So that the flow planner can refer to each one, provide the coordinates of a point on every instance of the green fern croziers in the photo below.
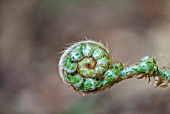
(87, 67)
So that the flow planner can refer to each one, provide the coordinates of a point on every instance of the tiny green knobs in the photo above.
(86, 66)
(83, 66)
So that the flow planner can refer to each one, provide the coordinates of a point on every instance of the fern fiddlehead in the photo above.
(87, 67)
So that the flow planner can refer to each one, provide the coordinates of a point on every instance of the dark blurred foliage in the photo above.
(34, 32)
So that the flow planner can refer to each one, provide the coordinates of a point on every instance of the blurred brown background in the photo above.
(34, 32)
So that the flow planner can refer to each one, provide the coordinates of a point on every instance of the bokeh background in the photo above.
(34, 32)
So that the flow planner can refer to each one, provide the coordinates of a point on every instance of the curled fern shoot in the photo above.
(87, 67)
